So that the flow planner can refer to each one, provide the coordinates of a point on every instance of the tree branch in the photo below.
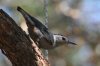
(17, 46)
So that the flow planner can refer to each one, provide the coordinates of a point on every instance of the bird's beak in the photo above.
(69, 42)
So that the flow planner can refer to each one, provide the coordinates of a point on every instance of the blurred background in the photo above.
(79, 20)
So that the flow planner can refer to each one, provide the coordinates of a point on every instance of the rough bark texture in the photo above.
(17, 46)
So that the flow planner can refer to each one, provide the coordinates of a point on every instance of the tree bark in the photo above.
(17, 46)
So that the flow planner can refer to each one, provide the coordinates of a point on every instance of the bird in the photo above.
(41, 35)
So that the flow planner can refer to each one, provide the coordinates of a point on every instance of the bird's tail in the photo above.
(26, 16)
(31, 21)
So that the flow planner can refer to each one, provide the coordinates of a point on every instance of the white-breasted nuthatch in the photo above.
(41, 35)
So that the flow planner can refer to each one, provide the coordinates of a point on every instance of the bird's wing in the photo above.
(48, 35)
(32, 21)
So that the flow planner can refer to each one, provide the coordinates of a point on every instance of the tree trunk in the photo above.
(17, 46)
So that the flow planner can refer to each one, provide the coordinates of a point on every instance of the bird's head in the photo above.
(62, 39)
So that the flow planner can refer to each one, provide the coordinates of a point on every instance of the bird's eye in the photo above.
(63, 38)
